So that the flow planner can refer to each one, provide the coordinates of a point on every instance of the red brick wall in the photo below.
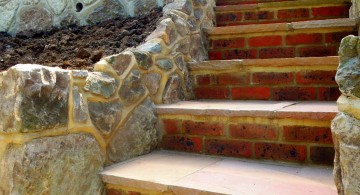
(238, 2)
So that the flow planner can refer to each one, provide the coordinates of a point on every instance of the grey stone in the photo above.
(108, 10)
(152, 82)
(183, 45)
(79, 106)
(143, 59)
(198, 13)
(192, 23)
(8, 9)
(57, 6)
(173, 90)
(132, 89)
(180, 22)
(105, 115)
(346, 136)
(348, 75)
(197, 48)
(200, 2)
(34, 19)
(138, 136)
(179, 61)
(142, 7)
(165, 64)
(33, 98)
(81, 74)
(164, 30)
(53, 165)
(184, 6)
(120, 62)
(101, 84)
(151, 46)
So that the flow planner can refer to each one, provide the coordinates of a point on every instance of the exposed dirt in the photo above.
(76, 47)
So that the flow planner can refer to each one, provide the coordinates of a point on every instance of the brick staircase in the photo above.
(267, 95)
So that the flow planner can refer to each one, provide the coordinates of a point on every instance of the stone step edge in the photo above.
(276, 27)
(300, 110)
(219, 65)
(278, 5)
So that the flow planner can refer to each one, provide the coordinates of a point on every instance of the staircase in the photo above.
(265, 98)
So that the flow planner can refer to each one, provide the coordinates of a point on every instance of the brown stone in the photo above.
(108, 10)
(35, 19)
(152, 82)
(105, 115)
(165, 30)
(173, 90)
(120, 62)
(184, 6)
(132, 89)
(102, 84)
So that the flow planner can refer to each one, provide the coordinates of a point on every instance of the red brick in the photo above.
(303, 39)
(133, 193)
(259, 15)
(253, 131)
(171, 126)
(215, 55)
(187, 144)
(254, 93)
(228, 17)
(336, 37)
(316, 77)
(265, 41)
(272, 78)
(293, 13)
(202, 128)
(307, 134)
(115, 192)
(322, 155)
(317, 51)
(280, 152)
(293, 93)
(211, 92)
(287, 52)
(240, 54)
(233, 78)
(228, 148)
(228, 43)
(335, 11)
(329, 93)
(203, 79)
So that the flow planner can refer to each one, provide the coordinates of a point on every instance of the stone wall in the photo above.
(346, 125)
(20, 16)
(60, 127)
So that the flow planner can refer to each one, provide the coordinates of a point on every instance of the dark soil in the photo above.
(76, 47)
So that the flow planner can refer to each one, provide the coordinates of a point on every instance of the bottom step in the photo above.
(165, 172)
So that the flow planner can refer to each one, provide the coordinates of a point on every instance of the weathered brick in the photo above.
(293, 13)
(240, 54)
(215, 55)
(228, 43)
(203, 128)
(280, 152)
(259, 15)
(288, 52)
(228, 148)
(228, 17)
(114, 192)
(334, 11)
(252, 93)
(329, 93)
(303, 38)
(265, 41)
(316, 77)
(272, 78)
(322, 155)
(293, 93)
(187, 144)
(203, 79)
(211, 92)
(171, 126)
(317, 51)
(307, 134)
(253, 131)
(233, 78)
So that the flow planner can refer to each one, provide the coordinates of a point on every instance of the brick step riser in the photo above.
(272, 141)
(297, 85)
(232, 18)
(239, 2)
(277, 45)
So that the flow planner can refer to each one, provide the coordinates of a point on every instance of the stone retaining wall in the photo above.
(60, 127)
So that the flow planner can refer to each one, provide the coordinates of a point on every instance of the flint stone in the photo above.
(200, 2)
(132, 88)
(53, 165)
(108, 10)
(192, 23)
(198, 13)
(173, 90)
(346, 135)
(80, 108)
(100, 84)
(35, 19)
(120, 62)
(143, 59)
(165, 30)
(179, 61)
(164, 64)
(138, 136)
(33, 98)
(183, 45)
(197, 48)
(184, 6)
(105, 115)
(152, 82)
(180, 22)
(151, 46)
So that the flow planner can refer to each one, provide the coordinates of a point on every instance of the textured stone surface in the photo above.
(165, 64)
(7, 9)
(173, 90)
(346, 136)
(180, 23)
(79, 106)
(141, 6)
(152, 46)
(120, 62)
(57, 6)
(138, 136)
(33, 98)
(100, 84)
(152, 82)
(109, 9)
(164, 30)
(105, 115)
(35, 19)
(179, 61)
(180, 5)
(132, 89)
(143, 59)
(197, 49)
(52, 165)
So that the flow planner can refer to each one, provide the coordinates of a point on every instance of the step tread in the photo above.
(258, 28)
(184, 173)
(253, 108)
(219, 65)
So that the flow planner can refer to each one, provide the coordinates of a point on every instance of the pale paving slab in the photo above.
(198, 174)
